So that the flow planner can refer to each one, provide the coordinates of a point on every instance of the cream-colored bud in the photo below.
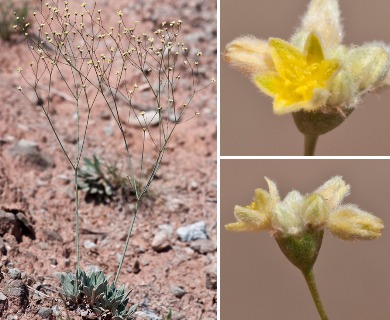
(314, 211)
(323, 18)
(342, 90)
(351, 223)
(249, 55)
(367, 65)
(286, 218)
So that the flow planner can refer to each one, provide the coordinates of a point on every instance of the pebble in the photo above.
(108, 130)
(204, 246)
(161, 241)
(51, 235)
(29, 150)
(8, 223)
(45, 313)
(211, 278)
(3, 249)
(147, 314)
(192, 232)
(88, 244)
(15, 273)
(177, 291)
(17, 289)
(3, 297)
(174, 205)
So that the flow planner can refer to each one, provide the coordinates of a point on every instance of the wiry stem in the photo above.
(311, 283)
(126, 244)
(310, 144)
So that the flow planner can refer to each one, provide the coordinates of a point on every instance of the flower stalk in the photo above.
(310, 144)
(311, 283)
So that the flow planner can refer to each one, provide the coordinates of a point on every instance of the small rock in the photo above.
(147, 314)
(204, 246)
(6, 139)
(192, 232)
(17, 291)
(3, 249)
(51, 235)
(211, 278)
(88, 244)
(12, 317)
(108, 130)
(161, 241)
(167, 228)
(45, 313)
(177, 291)
(136, 267)
(194, 185)
(105, 115)
(29, 151)
(3, 297)
(8, 223)
(56, 311)
(14, 273)
(53, 261)
(43, 245)
(174, 205)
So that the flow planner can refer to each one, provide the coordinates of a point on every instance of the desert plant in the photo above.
(104, 180)
(93, 290)
(11, 14)
(112, 62)
(94, 180)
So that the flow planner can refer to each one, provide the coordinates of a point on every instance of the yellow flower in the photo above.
(313, 71)
(297, 215)
(300, 79)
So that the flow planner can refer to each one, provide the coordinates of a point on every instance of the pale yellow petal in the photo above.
(351, 223)
(249, 55)
(334, 191)
(254, 218)
(273, 190)
(262, 200)
(239, 227)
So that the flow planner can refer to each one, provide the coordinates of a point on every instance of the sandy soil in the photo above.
(37, 194)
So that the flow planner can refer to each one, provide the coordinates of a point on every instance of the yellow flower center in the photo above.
(297, 74)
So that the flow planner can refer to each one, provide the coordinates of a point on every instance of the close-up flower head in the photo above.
(313, 75)
(298, 221)
(297, 214)
(313, 70)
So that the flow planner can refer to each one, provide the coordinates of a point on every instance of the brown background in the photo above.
(258, 282)
(248, 125)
